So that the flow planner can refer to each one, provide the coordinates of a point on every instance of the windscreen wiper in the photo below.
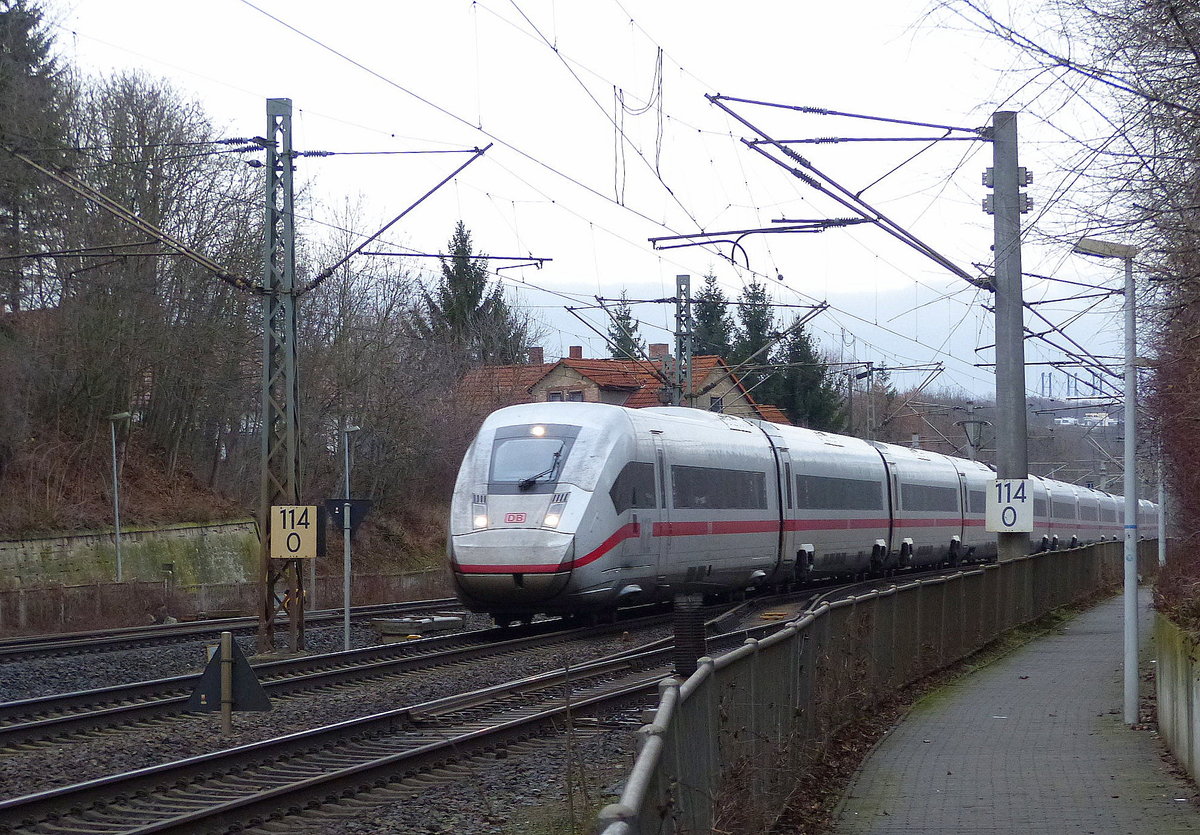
(526, 483)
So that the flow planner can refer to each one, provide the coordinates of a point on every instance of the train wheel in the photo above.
(804, 568)
(505, 619)
(878, 562)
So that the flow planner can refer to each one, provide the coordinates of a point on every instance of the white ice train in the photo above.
(579, 508)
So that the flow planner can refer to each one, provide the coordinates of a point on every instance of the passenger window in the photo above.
(634, 487)
(1063, 510)
(819, 492)
(929, 497)
(977, 501)
(711, 487)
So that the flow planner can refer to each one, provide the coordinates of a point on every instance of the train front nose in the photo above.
(511, 568)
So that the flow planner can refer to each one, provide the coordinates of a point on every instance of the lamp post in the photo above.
(1105, 249)
(346, 538)
(112, 431)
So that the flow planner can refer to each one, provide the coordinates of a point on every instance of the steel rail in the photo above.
(309, 782)
(50, 717)
(73, 643)
(158, 799)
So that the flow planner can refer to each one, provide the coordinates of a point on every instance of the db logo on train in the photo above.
(514, 518)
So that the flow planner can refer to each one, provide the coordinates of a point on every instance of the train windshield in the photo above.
(530, 459)
(527, 460)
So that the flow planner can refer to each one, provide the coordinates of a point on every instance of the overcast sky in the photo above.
(545, 81)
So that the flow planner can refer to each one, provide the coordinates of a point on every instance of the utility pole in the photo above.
(872, 417)
(850, 403)
(280, 407)
(1006, 204)
(683, 341)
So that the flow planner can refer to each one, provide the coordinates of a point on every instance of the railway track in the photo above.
(37, 721)
(391, 754)
(252, 784)
(131, 637)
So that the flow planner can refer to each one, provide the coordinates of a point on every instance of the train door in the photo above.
(786, 547)
(891, 557)
(656, 535)
(957, 549)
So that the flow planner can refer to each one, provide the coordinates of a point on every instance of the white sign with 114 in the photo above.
(1009, 506)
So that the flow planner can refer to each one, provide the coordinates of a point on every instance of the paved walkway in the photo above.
(1033, 743)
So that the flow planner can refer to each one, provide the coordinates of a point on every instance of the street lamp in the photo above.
(346, 537)
(112, 428)
(1105, 249)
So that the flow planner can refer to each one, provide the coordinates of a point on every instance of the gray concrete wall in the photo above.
(1177, 679)
(219, 552)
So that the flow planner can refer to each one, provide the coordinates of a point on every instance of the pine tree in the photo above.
(31, 119)
(714, 328)
(623, 332)
(468, 314)
(756, 325)
(807, 392)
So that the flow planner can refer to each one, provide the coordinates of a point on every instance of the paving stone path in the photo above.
(1033, 743)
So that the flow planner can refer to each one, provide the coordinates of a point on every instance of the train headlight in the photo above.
(480, 520)
(479, 514)
(554, 512)
(537, 431)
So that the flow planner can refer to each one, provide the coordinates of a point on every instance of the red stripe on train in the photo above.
(631, 530)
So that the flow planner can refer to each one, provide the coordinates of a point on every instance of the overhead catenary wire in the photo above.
(495, 137)
(869, 323)
(70, 181)
(330, 270)
(815, 178)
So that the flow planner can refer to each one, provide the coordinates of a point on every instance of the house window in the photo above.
(554, 396)
(575, 396)
(716, 404)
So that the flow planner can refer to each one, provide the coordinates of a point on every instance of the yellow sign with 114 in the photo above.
(293, 532)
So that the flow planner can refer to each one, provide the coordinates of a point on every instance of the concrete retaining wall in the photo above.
(185, 554)
(101, 605)
(1178, 683)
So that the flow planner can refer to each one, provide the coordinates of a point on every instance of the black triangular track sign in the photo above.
(248, 694)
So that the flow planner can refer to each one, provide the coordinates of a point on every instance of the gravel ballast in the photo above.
(128, 748)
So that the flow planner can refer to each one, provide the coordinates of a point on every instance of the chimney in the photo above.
(659, 350)
(575, 352)
(535, 356)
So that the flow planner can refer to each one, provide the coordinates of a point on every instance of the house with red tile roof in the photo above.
(634, 384)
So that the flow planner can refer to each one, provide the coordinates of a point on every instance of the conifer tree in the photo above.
(756, 325)
(623, 332)
(806, 391)
(469, 314)
(32, 120)
(714, 327)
